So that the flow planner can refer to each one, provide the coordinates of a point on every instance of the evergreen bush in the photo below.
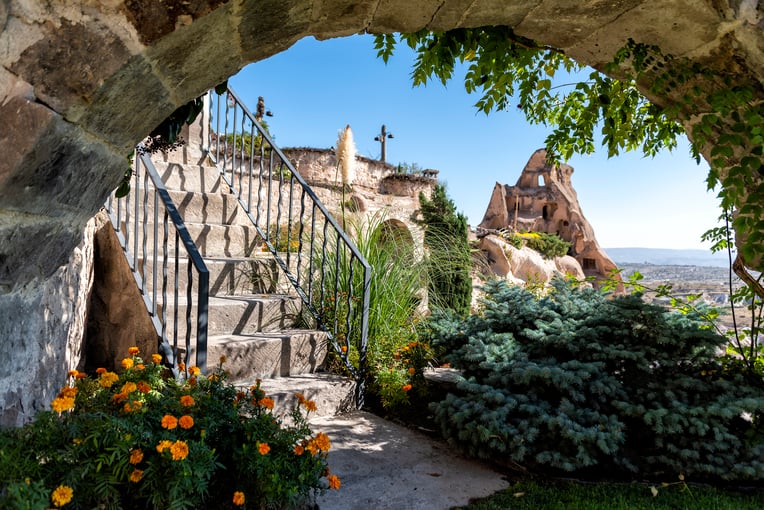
(578, 379)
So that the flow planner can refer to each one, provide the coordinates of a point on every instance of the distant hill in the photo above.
(666, 257)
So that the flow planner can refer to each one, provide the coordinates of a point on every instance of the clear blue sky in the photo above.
(316, 88)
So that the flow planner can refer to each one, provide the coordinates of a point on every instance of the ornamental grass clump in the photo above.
(580, 380)
(139, 440)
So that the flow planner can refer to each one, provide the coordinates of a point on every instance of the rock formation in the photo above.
(543, 200)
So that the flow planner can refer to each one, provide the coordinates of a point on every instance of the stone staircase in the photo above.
(255, 319)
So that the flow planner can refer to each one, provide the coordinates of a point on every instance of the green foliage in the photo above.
(285, 238)
(579, 379)
(138, 440)
(446, 237)
(549, 245)
(397, 280)
(408, 168)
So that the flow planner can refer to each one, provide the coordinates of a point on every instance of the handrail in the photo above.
(132, 227)
(319, 259)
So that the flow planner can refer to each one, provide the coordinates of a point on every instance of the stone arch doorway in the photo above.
(394, 234)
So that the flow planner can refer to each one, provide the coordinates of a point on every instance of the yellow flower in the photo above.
(108, 379)
(127, 363)
(132, 351)
(186, 422)
(129, 387)
(61, 404)
(136, 475)
(263, 448)
(164, 445)
(136, 456)
(334, 482)
(322, 441)
(238, 498)
(195, 371)
(62, 495)
(67, 392)
(312, 447)
(179, 450)
(187, 400)
(169, 422)
(156, 358)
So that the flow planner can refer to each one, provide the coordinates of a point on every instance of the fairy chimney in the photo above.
(543, 200)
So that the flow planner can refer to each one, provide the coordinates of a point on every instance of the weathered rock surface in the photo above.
(82, 82)
(543, 200)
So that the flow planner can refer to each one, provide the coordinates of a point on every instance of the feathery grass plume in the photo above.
(346, 155)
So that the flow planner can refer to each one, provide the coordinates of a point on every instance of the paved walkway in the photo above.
(384, 466)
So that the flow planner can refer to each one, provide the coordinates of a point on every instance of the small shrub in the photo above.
(549, 245)
(137, 440)
(576, 379)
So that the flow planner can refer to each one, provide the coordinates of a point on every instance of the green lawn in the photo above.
(535, 495)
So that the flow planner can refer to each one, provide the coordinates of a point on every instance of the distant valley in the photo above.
(667, 257)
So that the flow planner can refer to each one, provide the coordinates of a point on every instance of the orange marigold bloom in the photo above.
(68, 392)
(61, 495)
(129, 387)
(299, 450)
(406, 387)
(132, 351)
(164, 445)
(100, 370)
(263, 448)
(132, 406)
(186, 422)
(119, 398)
(72, 373)
(179, 450)
(334, 482)
(136, 475)
(312, 447)
(344, 349)
(238, 498)
(61, 404)
(144, 387)
(140, 366)
(266, 402)
(169, 422)
(412, 370)
(108, 379)
(195, 370)
(81, 375)
(136, 456)
(127, 363)
(322, 441)
(182, 366)
(310, 405)
(187, 400)
(156, 358)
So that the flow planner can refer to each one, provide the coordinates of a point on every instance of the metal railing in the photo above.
(156, 243)
(319, 259)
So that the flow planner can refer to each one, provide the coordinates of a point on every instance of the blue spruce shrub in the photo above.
(578, 379)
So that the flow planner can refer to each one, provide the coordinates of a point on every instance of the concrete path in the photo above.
(384, 466)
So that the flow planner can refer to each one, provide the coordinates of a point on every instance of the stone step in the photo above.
(333, 394)
(228, 276)
(189, 177)
(240, 315)
(285, 353)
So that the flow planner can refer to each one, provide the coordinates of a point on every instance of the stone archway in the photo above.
(81, 83)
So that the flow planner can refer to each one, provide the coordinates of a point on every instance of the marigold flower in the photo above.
(334, 482)
(182, 366)
(68, 392)
(312, 447)
(108, 379)
(61, 404)
(140, 366)
(119, 398)
(186, 422)
(192, 381)
(129, 387)
(263, 448)
(406, 388)
(412, 370)
(300, 397)
(81, 375)
(169, 422)
(136, 475)
(132, 351)
(238, 498)
(310, 405)
(127, 363)
(136, 456)
(195, 371)
(187, 400)
(266, 402)
(132, 406)
(156, 358)
(61, 495)
(322, 441)
(344, 349)
(179, 450)
(72, 373)
(100, 370)
(223, 359)
(164, 445)
(144, 387)
(299, 450)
